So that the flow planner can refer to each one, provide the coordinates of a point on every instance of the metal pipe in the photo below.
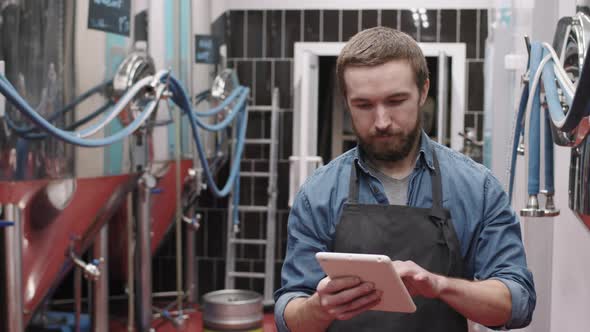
(13, 273)
(189, 259)
(144, 257)
(130, 265)
(77, 297)
(100, 305)
(190, 289)
(112, 298)
(177, 155)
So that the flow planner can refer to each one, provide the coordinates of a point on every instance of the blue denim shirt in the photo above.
(487, 228)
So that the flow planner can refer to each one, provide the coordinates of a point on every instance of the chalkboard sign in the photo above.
(110, 16)
(206, 49)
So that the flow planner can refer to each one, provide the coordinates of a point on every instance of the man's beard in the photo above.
(396, 147)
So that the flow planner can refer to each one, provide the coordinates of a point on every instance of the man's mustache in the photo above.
(388, 134)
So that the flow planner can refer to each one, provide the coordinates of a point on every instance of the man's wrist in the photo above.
(442, 285)
(312, 308)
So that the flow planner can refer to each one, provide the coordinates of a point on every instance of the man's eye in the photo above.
(396, 101)
(363, 106)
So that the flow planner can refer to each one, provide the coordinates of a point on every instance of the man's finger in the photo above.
(347, 295)
(356, 303)
(350, 314)
(337, 285)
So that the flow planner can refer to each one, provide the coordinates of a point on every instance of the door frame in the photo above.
(305, 94)
(309, 110)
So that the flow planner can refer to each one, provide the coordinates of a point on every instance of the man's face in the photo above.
(384, 104)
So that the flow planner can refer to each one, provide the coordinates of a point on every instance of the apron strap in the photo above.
(353, 187)
(437, 210)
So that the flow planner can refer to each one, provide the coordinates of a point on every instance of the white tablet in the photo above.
(377, 269)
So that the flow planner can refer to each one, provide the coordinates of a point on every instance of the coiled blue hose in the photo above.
(73, 126)
(22, 131)
(539, 56)
(73, 138)
(180, 98)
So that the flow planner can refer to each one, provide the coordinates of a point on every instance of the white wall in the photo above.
(570, 306)
(558, 249)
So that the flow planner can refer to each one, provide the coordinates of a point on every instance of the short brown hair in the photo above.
(376, 46)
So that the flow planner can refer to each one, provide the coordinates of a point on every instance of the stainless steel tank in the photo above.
(58, 204)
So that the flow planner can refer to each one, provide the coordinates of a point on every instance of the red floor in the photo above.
(193, 324)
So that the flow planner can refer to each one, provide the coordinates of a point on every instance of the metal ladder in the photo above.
(270, 209)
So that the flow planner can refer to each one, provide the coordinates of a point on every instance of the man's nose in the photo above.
(382, 118)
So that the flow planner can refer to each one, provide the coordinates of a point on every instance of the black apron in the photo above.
(425, 236)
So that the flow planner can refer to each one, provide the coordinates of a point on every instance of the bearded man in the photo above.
(443, 219)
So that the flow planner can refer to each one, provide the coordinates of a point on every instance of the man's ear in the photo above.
(424, 92)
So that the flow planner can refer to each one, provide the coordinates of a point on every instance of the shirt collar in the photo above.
(424, 155)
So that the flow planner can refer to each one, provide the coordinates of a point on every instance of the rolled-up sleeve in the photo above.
(281, 304)
(500, 253)
(300, 274)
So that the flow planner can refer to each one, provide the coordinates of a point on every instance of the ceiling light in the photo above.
(415, 16)
(425, 24)
(424, 17)
(422, 10)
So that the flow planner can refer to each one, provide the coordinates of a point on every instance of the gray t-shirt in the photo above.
(396, 190)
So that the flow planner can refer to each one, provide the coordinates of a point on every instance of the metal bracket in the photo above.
(91, 270)
(550, 209)
(532, 208)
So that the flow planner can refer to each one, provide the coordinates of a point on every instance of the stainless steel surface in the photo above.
(136, 66)
(143, 254)
(232, 309)
(223, 84)
(38, 58)
(100, 299)
(12, 253)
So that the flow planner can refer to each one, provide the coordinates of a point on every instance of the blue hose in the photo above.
(73, 126)
(517, 134)
(180, 97)
(181, 100)
(534, 126)
(54, 116)
(67, 136)
(549, 173)
(4, 223)
(553, 102)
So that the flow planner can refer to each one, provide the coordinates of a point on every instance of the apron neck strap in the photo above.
(353, 187)
(437, 209)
